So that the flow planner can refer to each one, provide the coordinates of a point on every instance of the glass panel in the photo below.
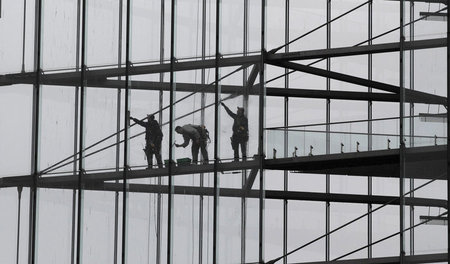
(55, 225)
(102, 32)
(59, 38)
(99, 218)
(8, 224)
(57, 132)
(351, 237)
(17, 49)
(15, 146)
(306, 222)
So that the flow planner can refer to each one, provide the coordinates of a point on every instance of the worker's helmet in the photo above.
(151, 117)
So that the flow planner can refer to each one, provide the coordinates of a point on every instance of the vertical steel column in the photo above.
(327, 128)
(369, 129)
(216, 136)
(161, 94)
(261, 152)
(19, 200)
(75, 137)
(35, 135)
(411, 124)
(119, 102)
(202, 117)
(245, 104)
(23, 32)
(448, 127)
(81, 141)
(171, 123)
(286, 139)
(402, 141)
(126, 132)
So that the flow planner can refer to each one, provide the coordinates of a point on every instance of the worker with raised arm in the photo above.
(199, 136)
(240, 132)
(153, 139)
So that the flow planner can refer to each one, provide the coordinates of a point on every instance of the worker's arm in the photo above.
(233, 115)
(139, 122)
(185, 143)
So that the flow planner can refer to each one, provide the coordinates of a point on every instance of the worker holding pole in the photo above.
(240, 132)
(153, 139)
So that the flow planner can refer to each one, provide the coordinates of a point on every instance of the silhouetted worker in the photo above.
(240, 132)
(199, 136)
(153, 138)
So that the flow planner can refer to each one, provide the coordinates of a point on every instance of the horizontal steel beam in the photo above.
(421, 163)
(248, 193)
(96, 74)
(131, 174)
(358, 50)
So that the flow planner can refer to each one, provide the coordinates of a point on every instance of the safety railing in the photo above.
(348, 137)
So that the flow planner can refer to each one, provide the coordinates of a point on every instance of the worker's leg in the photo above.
(204, 152)
(158, 156)
(235, 147)
(195, 148)
(149, 156)
(244, 150)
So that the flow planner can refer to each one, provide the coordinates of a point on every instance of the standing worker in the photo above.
(153, 138)
(199, 136)
(240, 132)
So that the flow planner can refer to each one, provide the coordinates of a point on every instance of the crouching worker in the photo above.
(153, 138)
(199, 136)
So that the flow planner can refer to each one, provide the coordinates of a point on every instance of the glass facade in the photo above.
(209, 131)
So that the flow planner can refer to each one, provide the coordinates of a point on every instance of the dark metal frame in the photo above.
(394, 161)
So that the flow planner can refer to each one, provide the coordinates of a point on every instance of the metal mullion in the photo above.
(19, 200)
(81, 132)
(119, 96)
(448, 127)
(23, 32)
(327, 128)
(402, 143)
(161, 94)
(369, 129)
(286, 138)
(35, 135)
(411, 122)
(75, 136)
(216, 190)
(202, 121)
(126, 132)
(245, 105)
(171, 120)
(261, 153)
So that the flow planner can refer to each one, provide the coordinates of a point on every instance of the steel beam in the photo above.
(253, 90)
(269, 194)
(98, 74)
(412, 95)
(357, 50)
(423, 163)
